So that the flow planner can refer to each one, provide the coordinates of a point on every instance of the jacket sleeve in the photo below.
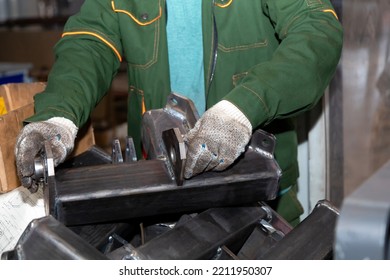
(87, 58)
(294, 79)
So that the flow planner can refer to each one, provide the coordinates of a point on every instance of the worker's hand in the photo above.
(217, 139)
(60, 132)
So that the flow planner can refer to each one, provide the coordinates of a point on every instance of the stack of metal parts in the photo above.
(117, 207)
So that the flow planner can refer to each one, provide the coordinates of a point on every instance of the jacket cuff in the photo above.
(232, 111)
(66, 124)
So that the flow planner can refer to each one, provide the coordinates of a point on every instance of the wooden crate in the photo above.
(19, 105)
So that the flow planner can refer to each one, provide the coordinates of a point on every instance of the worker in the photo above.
(247, 64)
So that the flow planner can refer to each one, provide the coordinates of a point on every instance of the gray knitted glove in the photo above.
(217, 140)
(60, 132)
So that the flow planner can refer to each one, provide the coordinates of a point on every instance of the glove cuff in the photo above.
(66, 124)
(231, 110)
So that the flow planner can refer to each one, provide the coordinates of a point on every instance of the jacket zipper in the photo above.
(214, 50)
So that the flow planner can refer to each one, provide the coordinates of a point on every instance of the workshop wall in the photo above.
(30, 46)
(365, 89)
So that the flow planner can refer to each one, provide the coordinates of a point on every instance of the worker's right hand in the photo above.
(60, 132)
(218, 138)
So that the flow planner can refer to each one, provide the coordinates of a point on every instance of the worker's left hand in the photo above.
(217, 140)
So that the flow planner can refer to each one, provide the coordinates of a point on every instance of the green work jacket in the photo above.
(273, 59)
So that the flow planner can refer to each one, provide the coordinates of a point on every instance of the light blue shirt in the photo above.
(185, 50)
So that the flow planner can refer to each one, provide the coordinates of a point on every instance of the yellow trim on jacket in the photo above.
(97, 36)
(331, 11)
(224, 5)
(135, 18)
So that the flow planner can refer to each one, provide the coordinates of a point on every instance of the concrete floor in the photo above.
(365, 89)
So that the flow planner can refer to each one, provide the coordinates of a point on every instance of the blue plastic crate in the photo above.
(14, 73)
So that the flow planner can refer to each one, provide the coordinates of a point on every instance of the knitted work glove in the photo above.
(60, 132)
(217, 140)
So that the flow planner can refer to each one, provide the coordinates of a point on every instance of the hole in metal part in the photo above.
(172, 155)
(265, 143)
(174, 101)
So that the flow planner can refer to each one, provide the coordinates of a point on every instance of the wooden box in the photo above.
(17, 104)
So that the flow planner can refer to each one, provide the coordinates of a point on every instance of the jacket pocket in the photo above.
(142, 12)
(241, 26)
(140, 29)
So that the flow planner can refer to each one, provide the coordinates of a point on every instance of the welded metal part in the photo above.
(275, 220)
(271, 230)
(98, 193)
(130, 153)
(43, 167)
(145, 188)
(116, 154)
(179, 112)
(176, 153)
(312, 239)
(262, 143)
(363, 228)
(183, 108)
(266, 234)
(200, 237)
(267, 226)
(48, 239)
(94, 194)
